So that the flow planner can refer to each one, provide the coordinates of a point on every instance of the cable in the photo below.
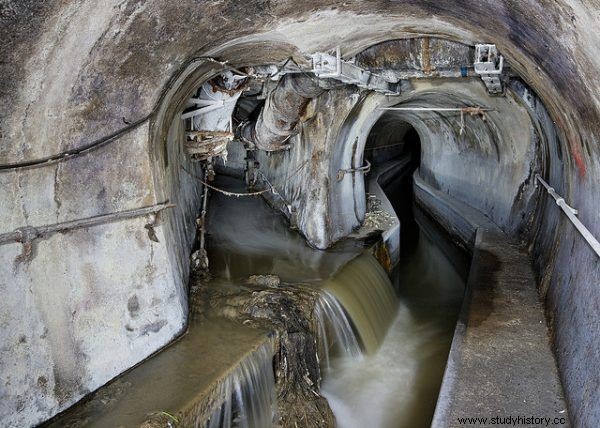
(223, 191)
(68, 154)
(257, 193)
(50, 160)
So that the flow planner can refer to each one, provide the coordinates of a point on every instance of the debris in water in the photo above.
(271, 281)
(376, 218)
(288, 310)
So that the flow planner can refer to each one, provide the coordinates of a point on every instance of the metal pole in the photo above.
(36, 232)
(572, 215)
(203, 214)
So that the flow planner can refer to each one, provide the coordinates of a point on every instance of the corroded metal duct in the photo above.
(281, 112)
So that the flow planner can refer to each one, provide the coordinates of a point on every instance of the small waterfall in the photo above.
(364, 290)
(335, 335)
(248, 393)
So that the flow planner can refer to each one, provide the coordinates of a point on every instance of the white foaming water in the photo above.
(397, 386)
(372, 391)
(248, 393)
(335, 335)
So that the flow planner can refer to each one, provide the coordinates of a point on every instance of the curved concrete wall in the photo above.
(77, 72)
(498, 153)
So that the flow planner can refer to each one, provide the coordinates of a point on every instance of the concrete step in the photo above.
(175, 387)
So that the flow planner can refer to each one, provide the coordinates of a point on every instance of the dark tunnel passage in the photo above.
(395, 144)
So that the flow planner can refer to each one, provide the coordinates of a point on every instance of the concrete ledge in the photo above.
(376, 182)
(181, 382)
(460, 220)
(501, 363)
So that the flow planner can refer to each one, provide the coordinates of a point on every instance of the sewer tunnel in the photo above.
(372, 128)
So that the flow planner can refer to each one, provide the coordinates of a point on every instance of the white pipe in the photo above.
(571, 214)
(200, 102)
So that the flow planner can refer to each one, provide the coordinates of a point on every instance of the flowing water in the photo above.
(365, 292)
(397, 386)
(406, 338)
(246, 237)
(334, 332)
(248, 393)
(394, 383)
(217, 361)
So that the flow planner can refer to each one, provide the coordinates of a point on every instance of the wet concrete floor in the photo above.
(172, 382)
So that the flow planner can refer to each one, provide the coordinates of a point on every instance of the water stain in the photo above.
(483, 277)
(154, 327)
(133, 306)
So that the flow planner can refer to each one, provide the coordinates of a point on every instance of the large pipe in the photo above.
(282, 110)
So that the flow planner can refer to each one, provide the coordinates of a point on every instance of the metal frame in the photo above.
(326, 66)
(489, 71)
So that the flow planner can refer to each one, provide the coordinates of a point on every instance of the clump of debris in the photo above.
(288, 310)
(377, 218)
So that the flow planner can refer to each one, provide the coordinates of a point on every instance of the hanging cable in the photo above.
(257, 193)
(223, 191)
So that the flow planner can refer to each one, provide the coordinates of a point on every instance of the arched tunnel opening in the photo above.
(282, 225)
(395, 142)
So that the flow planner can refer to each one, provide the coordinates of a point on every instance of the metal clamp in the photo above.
(365, 169)
(326, 66)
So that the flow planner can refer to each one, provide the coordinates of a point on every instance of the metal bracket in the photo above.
(365, 169)
(489, 64)
(326, 66)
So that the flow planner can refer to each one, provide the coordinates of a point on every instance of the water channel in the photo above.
(382, 345)
(395, 381)
(398, 385)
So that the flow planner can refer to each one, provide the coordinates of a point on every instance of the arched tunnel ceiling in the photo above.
(98, 94)
(500, 142)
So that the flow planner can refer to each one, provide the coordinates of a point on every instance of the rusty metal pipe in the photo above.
(282, 110)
